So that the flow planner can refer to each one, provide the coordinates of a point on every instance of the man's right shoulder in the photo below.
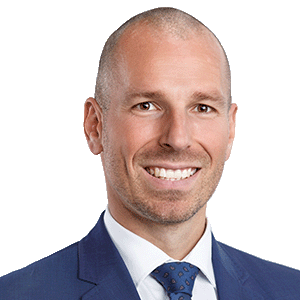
(44, 278)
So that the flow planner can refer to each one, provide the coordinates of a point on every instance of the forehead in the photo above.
(149, 59)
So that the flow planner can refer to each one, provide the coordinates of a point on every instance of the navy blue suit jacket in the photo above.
(93, 269)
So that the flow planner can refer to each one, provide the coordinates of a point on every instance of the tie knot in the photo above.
(177, 278)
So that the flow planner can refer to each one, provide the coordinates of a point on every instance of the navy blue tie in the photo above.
(177, 278)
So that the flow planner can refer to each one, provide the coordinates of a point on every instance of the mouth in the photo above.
(171, 174)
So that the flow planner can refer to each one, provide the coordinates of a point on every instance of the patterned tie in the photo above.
(177, 278)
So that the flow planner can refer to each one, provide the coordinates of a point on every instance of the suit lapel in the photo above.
(101, 264)
(233, 281)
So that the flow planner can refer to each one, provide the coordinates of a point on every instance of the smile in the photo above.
(169, 174)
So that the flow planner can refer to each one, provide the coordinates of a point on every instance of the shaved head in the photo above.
(159, 21)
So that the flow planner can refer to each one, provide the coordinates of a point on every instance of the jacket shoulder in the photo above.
(278, 281)
(49, 278)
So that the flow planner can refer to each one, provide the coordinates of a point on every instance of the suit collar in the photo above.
(233, 280)
(100, 263)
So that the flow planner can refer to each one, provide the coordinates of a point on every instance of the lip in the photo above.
(163, 184)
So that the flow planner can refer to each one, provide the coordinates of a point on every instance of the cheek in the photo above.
(137, 135)
(212, 135)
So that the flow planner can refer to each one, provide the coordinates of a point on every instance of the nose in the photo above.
(176, 131)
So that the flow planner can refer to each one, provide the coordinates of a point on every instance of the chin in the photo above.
(168, 212)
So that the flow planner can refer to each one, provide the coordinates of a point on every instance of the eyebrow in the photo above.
(148, 95)
(212, 96)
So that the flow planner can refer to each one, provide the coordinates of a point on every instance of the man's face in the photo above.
(169, 128)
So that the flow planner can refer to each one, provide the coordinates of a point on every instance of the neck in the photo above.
(176, 240)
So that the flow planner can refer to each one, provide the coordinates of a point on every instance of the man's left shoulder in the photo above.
(269, 274)
(257, 264)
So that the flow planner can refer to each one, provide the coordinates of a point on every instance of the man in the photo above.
(163, 122)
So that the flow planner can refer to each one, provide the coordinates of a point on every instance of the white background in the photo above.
(52, 188)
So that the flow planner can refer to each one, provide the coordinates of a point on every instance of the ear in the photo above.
(93, 125)
(232, 120)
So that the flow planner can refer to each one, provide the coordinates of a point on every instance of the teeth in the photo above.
(178, 174)
(156, 172)
(162, 173)
(171, 174)
(189, 172)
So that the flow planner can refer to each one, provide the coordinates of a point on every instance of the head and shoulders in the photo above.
(163, 124)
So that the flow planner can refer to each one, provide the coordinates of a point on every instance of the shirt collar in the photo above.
(141, 257)
(201, 255)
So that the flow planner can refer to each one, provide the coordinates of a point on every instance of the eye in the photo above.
(145, 106)
(202, 108)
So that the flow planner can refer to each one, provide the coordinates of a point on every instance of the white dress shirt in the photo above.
(141, 258)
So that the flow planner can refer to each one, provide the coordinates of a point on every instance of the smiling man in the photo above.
(166, 132)
(163, 122)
